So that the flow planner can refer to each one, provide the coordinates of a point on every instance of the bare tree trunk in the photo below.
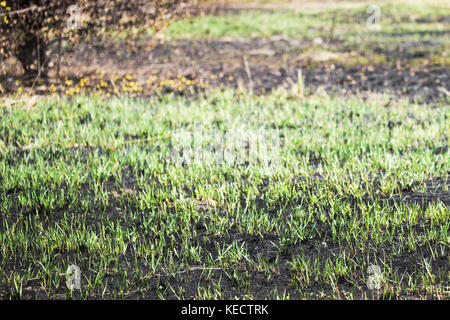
(32, 51)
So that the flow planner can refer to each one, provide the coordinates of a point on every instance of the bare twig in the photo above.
(443, 90)
(21, 11)
(58, 64)
(333, 25)
(114, 85)
(249, 74)
(39, 67)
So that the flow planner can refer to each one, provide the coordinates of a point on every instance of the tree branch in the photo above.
(10, 13)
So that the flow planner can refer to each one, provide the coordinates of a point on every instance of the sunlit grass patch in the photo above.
(248, 24)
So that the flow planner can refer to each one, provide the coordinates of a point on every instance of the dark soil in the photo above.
(260, 65)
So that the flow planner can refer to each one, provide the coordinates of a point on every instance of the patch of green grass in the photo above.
(246, 24)
(307, 24)
(96, 183)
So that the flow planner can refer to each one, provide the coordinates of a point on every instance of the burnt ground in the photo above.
(264, 65)
(260, 65)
